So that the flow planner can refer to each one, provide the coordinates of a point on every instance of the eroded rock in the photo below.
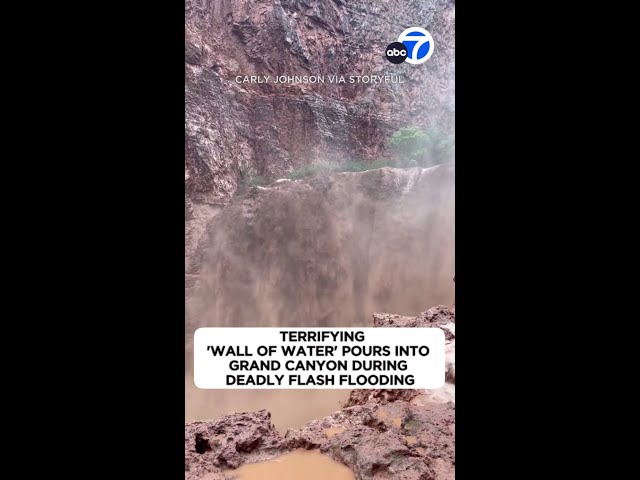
(378, 434)
(212, 446)
(440, 316)
(398, 440)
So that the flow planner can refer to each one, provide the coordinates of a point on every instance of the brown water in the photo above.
(289, 408)
(298, 465)
(384, 415)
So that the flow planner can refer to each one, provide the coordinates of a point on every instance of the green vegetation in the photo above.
(360, 166)
(409, 143)
(415, 146)
(304, 171)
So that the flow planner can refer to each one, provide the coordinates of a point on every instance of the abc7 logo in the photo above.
(415, 46)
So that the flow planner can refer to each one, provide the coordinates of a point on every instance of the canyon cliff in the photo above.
(235, 131)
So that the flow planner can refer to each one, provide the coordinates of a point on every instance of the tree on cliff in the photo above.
(416, 147)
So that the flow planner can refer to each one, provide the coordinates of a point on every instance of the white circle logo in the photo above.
(419, 45)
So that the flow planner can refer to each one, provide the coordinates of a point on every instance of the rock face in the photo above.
(320, 252)
(385, 434)
(399, 440)
(442, 317)
(235, 130)
(212, 446)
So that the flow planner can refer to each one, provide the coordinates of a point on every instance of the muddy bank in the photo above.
(207, 404)
(407, 440)
(394, 434)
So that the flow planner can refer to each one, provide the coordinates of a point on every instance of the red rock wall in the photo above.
(269, 129)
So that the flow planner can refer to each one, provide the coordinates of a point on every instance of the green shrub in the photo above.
(304, 171)
(410, 143)
(361, 166)
(414, 146)
(441, 146)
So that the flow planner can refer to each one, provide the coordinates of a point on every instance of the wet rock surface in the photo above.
(378, 434)
(440, 316)
(228, 442)
(397, 440)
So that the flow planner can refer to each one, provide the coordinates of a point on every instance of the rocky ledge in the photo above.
(391, 434)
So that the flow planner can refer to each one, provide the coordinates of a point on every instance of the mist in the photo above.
(329, 251)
